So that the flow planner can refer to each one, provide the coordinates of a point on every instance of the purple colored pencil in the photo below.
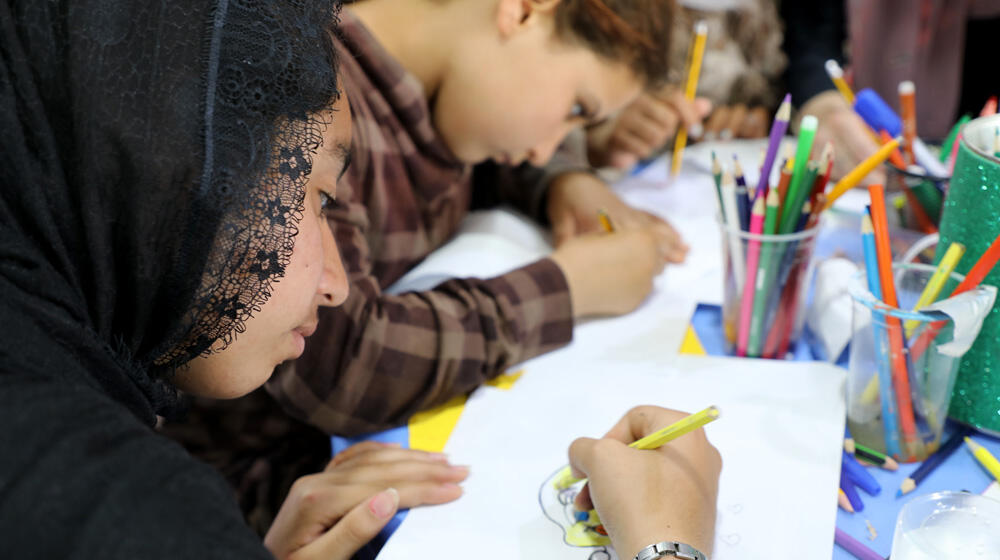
(854, 546)
(778, 130)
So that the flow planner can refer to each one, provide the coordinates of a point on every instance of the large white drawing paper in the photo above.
(780, 435)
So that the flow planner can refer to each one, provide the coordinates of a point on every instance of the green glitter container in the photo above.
(971, 216)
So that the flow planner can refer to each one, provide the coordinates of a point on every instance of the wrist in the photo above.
(669, 549)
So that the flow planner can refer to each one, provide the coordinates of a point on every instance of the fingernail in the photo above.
(383, 505)
(696, 131)
(443, 457)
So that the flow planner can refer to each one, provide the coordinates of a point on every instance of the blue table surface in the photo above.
(960, 472)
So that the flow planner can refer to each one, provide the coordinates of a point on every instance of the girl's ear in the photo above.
(513, 15)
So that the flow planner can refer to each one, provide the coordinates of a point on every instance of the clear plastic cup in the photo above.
(948, 525)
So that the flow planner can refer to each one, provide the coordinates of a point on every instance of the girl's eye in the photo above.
(327, 202)
(578, 111)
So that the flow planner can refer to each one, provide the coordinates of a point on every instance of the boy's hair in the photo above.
(636, 32)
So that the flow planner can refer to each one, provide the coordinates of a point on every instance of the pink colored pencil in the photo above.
(753, 256)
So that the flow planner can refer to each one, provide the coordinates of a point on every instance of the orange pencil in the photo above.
(900, 375)
(895, 157)
(783, 180)
(990, 108)
(908, 108)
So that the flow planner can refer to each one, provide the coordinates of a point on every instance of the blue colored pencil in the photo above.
(890, 419)
(851, 492)
(859, 475)
(933, 461)
(778, 130)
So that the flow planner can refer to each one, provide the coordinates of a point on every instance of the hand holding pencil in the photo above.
(648, 496)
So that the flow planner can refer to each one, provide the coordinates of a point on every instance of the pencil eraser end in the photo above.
(809, 122)
(906, 87)
(833, 69)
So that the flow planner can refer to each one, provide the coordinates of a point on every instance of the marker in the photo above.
(565, 479)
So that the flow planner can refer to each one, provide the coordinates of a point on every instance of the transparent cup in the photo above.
(765, 320)
(920, 198)
(903, 365)
(948, 525)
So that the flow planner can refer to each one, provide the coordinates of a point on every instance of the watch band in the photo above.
(669, 548)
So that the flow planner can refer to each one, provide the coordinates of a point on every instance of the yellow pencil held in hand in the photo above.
(606, 225)
(565, 479)
(694, 68)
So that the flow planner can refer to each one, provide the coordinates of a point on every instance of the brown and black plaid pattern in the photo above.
(378, 359)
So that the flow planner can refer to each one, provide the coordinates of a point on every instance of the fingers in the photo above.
(357, 449)
(563, 226)
(716, 122)
(690, 115)
(643, 420)
(755, 124)
(396, 472)
(383, 454)
(734, 121)
(355, 529)
(673, 249)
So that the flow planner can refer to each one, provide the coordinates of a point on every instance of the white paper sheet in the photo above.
(780, 436)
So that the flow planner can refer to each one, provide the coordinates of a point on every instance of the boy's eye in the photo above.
(578, 111)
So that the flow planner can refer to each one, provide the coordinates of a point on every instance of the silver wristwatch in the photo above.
(669, 548)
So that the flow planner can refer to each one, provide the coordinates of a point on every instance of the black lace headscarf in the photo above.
(152, 172)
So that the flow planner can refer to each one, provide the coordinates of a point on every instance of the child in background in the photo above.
(741, 79)
(499, 81)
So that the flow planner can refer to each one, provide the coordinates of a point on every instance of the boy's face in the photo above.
(512, 96)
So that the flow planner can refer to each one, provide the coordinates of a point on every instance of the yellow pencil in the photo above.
(858, 173)
(934, 286)
(836, 74)
(984, 457)
(602, 216)
(694, 68)
(565, 479)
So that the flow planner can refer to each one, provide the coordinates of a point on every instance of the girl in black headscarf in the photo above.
(163, 172)
(164, 168)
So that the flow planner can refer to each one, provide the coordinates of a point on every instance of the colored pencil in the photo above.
(859, 476)
(883, 377)
(784, 179)
(932, 462)
(900, 372)
(950, 139)
(850, 180)
(990, 108)
(855, 547)
(937, 281)
(908, 108)
(717, 180)
(874, 457)
(792, 205)
(764, 279)
(851, 492)
(778, 129)
(657, 439)
(606, 225)
(743, 203)
(694, 68)
(843, 502)
(736, 257)
(753, 257)
(973, 278)
(985, 458)
(836, 74)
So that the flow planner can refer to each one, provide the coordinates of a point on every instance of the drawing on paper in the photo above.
(580, 529)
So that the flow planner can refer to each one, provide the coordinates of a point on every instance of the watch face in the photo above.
(582, 530)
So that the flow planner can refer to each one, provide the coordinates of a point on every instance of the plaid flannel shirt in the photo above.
(378, 359)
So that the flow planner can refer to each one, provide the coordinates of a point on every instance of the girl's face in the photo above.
(314, 277)
(516, 91)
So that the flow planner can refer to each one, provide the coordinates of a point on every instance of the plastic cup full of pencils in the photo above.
(766, 284)
(903, 363)
(947, 525)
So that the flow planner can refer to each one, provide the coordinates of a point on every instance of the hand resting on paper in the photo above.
(645, 497)
(330, 515)
(574, 200)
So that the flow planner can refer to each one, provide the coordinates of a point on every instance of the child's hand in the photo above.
(648, 496)
(332, 514)
(574, 200)
(610, 274)
(644, 126)
(852, 140)
(737, 121)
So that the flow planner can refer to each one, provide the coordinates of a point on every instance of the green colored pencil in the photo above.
(945, 152)
(799, 189)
